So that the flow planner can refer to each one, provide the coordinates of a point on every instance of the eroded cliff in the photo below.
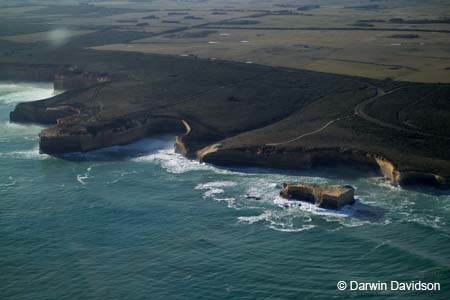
(236, 115)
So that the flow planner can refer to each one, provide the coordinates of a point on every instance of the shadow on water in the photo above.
(367, 212)
(121, 153)
(427, 189)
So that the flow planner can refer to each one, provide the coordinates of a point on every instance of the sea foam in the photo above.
(14, 93)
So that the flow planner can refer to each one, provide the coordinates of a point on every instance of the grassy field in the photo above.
(403, 40)
(361, 53)
(45, 35)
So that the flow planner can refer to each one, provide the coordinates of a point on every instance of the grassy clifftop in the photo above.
(242, 105)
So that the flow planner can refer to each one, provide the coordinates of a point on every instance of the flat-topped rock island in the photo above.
(325, 196)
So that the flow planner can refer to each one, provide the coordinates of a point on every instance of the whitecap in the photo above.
(265, 216)
(384, 183)
(172, 162)
(427, 221)
(231, 202)
(284, 220)
(214, 188)
(215, 184)
(299, 229)
(346, 211)
(27, 154)
(82, 177)
(212, 192)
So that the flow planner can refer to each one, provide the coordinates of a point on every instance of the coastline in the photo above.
(193, 139)
(305, 159)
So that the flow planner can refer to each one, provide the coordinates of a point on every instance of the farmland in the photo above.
(401, 40)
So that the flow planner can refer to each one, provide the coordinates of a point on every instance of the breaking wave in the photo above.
(172, 162)
(256, 195)
(33, 154)
(12, 93)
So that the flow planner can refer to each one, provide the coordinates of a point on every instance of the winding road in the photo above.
(309, 133)
(359, 111)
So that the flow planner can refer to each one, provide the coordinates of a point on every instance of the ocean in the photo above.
(142, 222)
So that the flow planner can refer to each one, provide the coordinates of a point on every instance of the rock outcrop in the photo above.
(24, 113)
(63, 77)
(325, 196)
(67, 137)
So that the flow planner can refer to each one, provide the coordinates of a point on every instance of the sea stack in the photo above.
(325, 196)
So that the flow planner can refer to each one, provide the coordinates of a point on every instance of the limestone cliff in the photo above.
(80, 138)
(233, 115)
(24, 113)
(302, 158)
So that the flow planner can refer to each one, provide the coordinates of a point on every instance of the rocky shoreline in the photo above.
(314, 158)
(75, 130)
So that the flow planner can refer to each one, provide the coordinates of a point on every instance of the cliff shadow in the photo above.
(367, 212)
(426, 189)
(143, 147)
(328, 172)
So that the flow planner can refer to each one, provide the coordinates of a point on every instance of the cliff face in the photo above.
(291, 119)
(196, 137)
(25, 113)
(65, 138)
(63, 78)
(319, 157)
(399, 177)
(270, 156)
(50, 111)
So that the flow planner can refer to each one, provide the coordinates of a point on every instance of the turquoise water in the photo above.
(141, 222)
